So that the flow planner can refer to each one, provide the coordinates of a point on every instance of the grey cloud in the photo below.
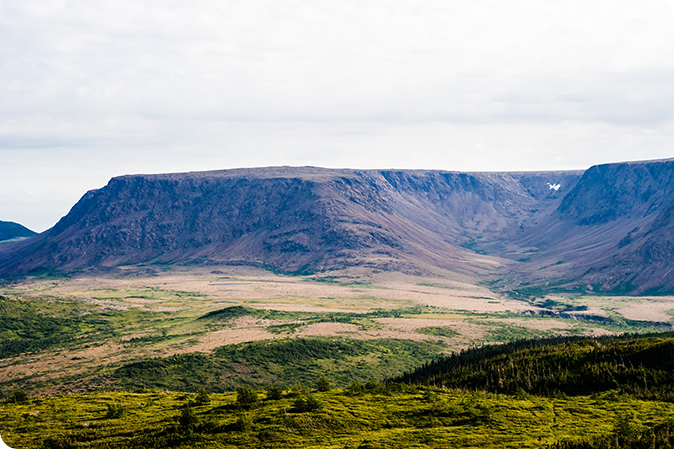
(451, 84)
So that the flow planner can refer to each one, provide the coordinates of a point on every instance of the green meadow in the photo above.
(100, 366)
(360, 416)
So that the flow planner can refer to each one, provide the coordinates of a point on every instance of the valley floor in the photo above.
(72, 334)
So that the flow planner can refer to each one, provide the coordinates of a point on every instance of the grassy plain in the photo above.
(74, 334)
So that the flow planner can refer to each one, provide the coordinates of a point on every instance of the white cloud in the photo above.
(108, 86)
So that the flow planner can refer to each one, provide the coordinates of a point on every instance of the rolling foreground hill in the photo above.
(608, 228)
(558, 393)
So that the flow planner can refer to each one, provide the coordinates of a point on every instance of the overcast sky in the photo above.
(94, 89)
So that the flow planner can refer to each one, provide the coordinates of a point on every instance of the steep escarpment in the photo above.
(612, 232)
(609, 228)
(611, 192)
(292, 219)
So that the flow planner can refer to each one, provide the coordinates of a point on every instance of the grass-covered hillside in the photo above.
(639, 365)
(283, 361)
(556, 393)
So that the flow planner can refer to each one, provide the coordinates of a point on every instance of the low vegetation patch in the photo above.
(284, 361)
(29, 326)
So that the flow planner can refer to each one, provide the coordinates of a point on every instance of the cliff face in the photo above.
(633, 204)
(609, 227)
(612, 192)
(292, 219)
(612, 232)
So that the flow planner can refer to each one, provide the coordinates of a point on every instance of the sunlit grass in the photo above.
(422, 418)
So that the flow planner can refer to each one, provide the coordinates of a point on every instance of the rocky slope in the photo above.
(292, 219)
(612, 232)
(609, 228)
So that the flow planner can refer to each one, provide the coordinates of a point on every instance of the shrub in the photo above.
(243, 423)
(355, 388)
(311, 403)
(374, 387)
(202, 397)
(306, 403)
(58, 442)
(18, 397)
(323, 384)
(298, 390)
(274, 393)
(115, 411)
(400, 388)
(245, 396)
(188, 419)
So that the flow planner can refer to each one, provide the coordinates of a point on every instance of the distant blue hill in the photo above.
(10, 230)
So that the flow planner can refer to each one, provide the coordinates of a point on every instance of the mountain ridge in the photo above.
(606, 228)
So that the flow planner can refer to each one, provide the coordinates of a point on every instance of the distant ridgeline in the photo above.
(607, 229)
(638, 365)
(10, 230)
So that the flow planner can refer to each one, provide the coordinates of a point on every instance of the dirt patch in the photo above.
(541, 325)
(302, 308)
(50, 365)
(410, 326)
(397, 328)
(353, 331)
(213, 340)
(187, 288)
(242, 330)
(654, 309)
